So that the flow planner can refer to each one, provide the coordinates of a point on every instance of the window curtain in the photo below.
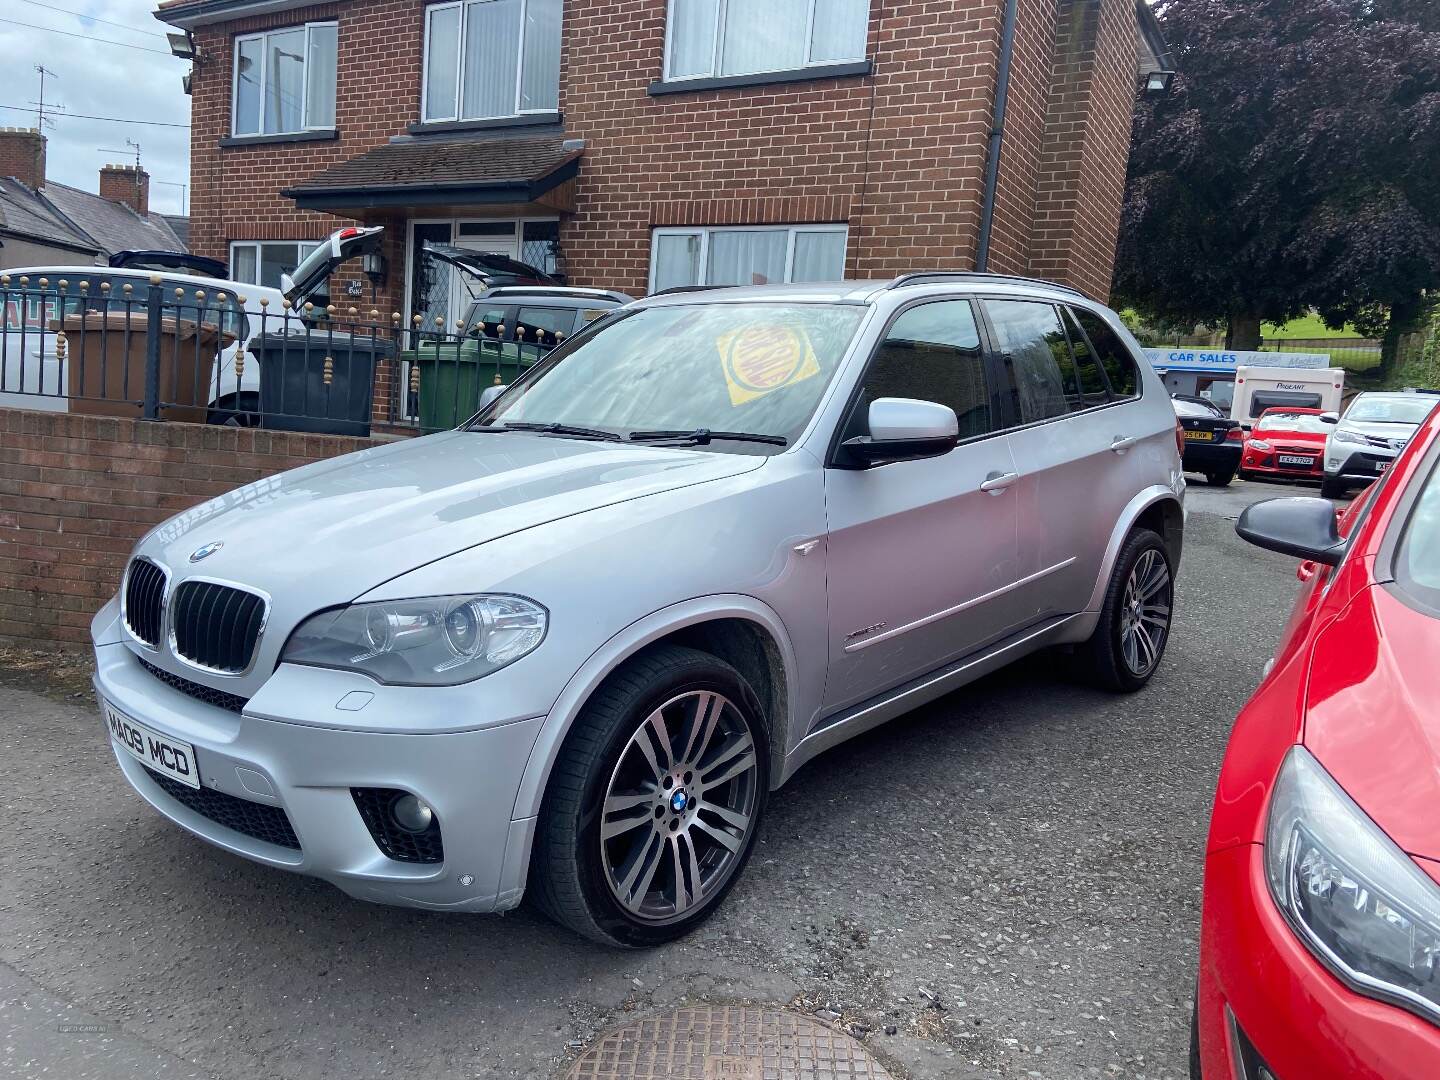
(492, 53)
(819, 256)
(692, 37)
(677, 260)
(442, 54)
(841, 27)
(540, 78)
(765, 35)
(285, 81)
(747, 258)
(242, 264)
(320, 94)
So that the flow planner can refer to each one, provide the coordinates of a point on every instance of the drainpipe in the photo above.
(997, 135)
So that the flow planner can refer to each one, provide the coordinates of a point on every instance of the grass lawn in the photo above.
(1310, 327)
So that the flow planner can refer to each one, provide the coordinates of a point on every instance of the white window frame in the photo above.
(302, 248)
(722, 13)
(454, 116)
(705, 232)
(264, 61)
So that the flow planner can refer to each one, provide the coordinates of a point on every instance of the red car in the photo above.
(1320, 937)
(1286, 444)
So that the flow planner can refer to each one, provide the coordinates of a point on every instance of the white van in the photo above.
(1261, 388)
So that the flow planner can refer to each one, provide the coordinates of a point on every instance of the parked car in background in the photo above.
(1211, 440)
(571, 646)
(1320, 935)
(1374, 429)
(540, 314)
(1286, 444)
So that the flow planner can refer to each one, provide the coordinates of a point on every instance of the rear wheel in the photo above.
(1220, 477)
(654, 801)
(1333, 488)
(1134, 627)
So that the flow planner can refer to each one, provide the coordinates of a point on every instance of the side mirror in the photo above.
(489, 394)
(1330, 418)
(903, 429)
(1303, 527)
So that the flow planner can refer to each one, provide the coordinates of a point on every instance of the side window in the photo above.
(932, 352)
(1036, 357)
(541, 324)
(1087, 365)
(1114, 357)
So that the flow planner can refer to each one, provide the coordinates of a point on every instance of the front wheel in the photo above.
(654, 801)
(1134, 627)
(1220, 478)
(1333, 489)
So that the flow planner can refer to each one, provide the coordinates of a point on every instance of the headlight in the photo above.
(1360, 904)
(1345, 435)
(431, 641)
(1259, 444)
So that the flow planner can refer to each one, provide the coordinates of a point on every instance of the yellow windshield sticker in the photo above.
(761, 359)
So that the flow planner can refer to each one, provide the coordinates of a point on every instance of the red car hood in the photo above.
(1312, 440)
(1373, 714)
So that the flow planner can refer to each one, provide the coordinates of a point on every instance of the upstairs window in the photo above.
(708, 38)
(285, 81)
(488, 59)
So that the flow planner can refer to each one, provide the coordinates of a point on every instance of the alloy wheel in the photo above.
(679, 807)
(1145, 613)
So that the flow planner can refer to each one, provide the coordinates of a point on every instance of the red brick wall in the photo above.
(1087, 139)
(119, 183)
(76, 492)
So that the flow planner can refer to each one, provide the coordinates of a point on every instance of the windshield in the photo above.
(1406, 410)
(1418, 559)
(1309, 423)
(756, 368)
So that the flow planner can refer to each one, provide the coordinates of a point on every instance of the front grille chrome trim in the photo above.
(197, 665)
(164, 604)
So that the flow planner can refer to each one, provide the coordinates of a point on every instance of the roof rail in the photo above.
(932, 277)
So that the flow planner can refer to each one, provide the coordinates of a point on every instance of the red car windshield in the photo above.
(1305, 422)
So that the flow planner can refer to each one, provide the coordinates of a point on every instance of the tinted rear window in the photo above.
(1114, 357)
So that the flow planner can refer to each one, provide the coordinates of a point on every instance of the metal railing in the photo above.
(123, 345)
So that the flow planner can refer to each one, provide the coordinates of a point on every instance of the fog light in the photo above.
(412, 814)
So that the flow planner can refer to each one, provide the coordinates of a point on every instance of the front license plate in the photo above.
(1292, 459)
(1381, 466)
(171, 757)
(1199, 436)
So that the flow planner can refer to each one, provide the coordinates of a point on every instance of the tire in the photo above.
(1220, 479)
(1244, 474)
(592, 882)
(1333, 489)
(1108, 658)
(236, 410)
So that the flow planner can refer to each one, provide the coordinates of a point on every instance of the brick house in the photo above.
(642, 144)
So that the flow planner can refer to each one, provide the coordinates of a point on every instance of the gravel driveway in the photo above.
(1004, 884)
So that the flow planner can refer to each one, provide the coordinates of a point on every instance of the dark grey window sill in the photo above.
(327, 135)
(763, 78)
(526, 120)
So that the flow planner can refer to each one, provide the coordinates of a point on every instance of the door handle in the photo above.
(997, 482)
(1121, 443)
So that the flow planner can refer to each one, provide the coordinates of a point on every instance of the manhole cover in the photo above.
(726, 1043)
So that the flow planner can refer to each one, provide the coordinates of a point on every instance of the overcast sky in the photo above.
(97, 79)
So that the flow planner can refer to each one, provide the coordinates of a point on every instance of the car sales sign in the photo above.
(1182, 358)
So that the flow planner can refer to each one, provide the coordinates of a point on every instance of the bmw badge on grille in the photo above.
(205, 551)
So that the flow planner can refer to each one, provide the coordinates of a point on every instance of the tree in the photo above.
(1294, 164)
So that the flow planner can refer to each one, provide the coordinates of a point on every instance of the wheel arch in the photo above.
(1157, 508)
(741, 630)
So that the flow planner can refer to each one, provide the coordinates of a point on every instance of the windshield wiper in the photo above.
(702, 436)
(561, 429)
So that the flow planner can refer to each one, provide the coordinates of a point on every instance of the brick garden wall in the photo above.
(76, 492)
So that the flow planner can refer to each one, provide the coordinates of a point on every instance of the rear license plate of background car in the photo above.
(1200, 436)
(171, 757)
(1292, 459)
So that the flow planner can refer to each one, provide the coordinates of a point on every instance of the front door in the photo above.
(496, 238)
(921, 554)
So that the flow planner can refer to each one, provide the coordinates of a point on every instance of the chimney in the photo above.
(126, 184)
(22, 155)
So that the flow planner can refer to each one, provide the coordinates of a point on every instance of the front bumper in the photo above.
(1267, 463)
(1361, 464)
(469, 777)
(1301, 1020)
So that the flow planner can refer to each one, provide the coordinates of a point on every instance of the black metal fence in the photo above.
(123, 345)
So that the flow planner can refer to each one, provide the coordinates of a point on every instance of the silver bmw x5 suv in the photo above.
(573, 646)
